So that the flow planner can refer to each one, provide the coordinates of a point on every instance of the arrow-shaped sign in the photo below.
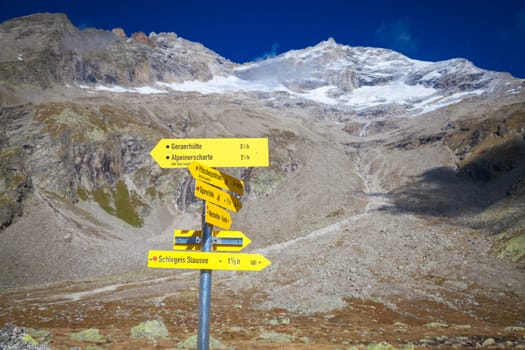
(214, 195)
(161, 259)
(214, 152)
(217, 216)
(222, 241)
(215, 177)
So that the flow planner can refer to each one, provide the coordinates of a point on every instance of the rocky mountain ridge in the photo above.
(389, 178)
(359, 79)
(346, 70)
(46, 49)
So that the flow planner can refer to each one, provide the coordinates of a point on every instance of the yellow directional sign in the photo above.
(161, 259)
(187, 239)
(217, 216)
(222, 241)
(215, 177)
(212, 194)
(214, 152)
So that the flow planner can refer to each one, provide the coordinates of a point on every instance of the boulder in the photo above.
(91, 335)
(150, 329)
(191, 343)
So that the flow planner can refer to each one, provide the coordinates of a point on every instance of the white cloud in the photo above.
(268, 54)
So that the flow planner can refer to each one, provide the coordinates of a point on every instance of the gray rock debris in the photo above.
(16, 338)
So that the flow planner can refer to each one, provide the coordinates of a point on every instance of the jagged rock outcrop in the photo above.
(119, 32)
(15, 186)
(46, 49)
(15, 180)
(142, 38)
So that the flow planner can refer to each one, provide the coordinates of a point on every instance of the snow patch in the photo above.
(220, 84)
(147, 90)
(417, 98)
(440, 101)
(144, 90)
(115, 88)
(396, 92)
(319, 95)
(363, 97)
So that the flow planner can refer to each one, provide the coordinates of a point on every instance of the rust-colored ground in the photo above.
(236, 321)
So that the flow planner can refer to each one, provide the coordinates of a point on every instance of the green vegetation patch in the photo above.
(104, 200)
(125, 205)
(28, 339)
(118, 202)
(151, 192)
(511, 246)
(82, 194)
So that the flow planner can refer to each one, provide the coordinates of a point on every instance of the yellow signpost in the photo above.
(215, 177)
(217, 216)
(199, 156)
(213, 152)
(222, 241)
(216, 196)
(162, 259)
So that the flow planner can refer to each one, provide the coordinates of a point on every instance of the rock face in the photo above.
(381, 167)
(15, 182)
(53, 51)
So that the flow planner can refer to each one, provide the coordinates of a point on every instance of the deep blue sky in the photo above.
(489, 33)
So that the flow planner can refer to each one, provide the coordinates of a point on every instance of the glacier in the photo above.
(350, 78)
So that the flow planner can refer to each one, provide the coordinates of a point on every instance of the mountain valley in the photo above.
(393, 208)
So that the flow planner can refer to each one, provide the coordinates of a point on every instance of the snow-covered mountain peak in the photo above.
(332, 64)
(365, 80)
(317, 50)
(356, 79)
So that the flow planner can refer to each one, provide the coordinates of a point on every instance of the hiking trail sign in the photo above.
(213, 152)
(217, 216)
(219, 192)
(206, 260)
(222, 241)
(217, 196)
(216, 178)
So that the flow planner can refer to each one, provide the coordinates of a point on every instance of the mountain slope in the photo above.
(364, 81)
(46, 49)
(389, 178)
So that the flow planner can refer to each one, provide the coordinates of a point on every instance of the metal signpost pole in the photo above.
(203, 335)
